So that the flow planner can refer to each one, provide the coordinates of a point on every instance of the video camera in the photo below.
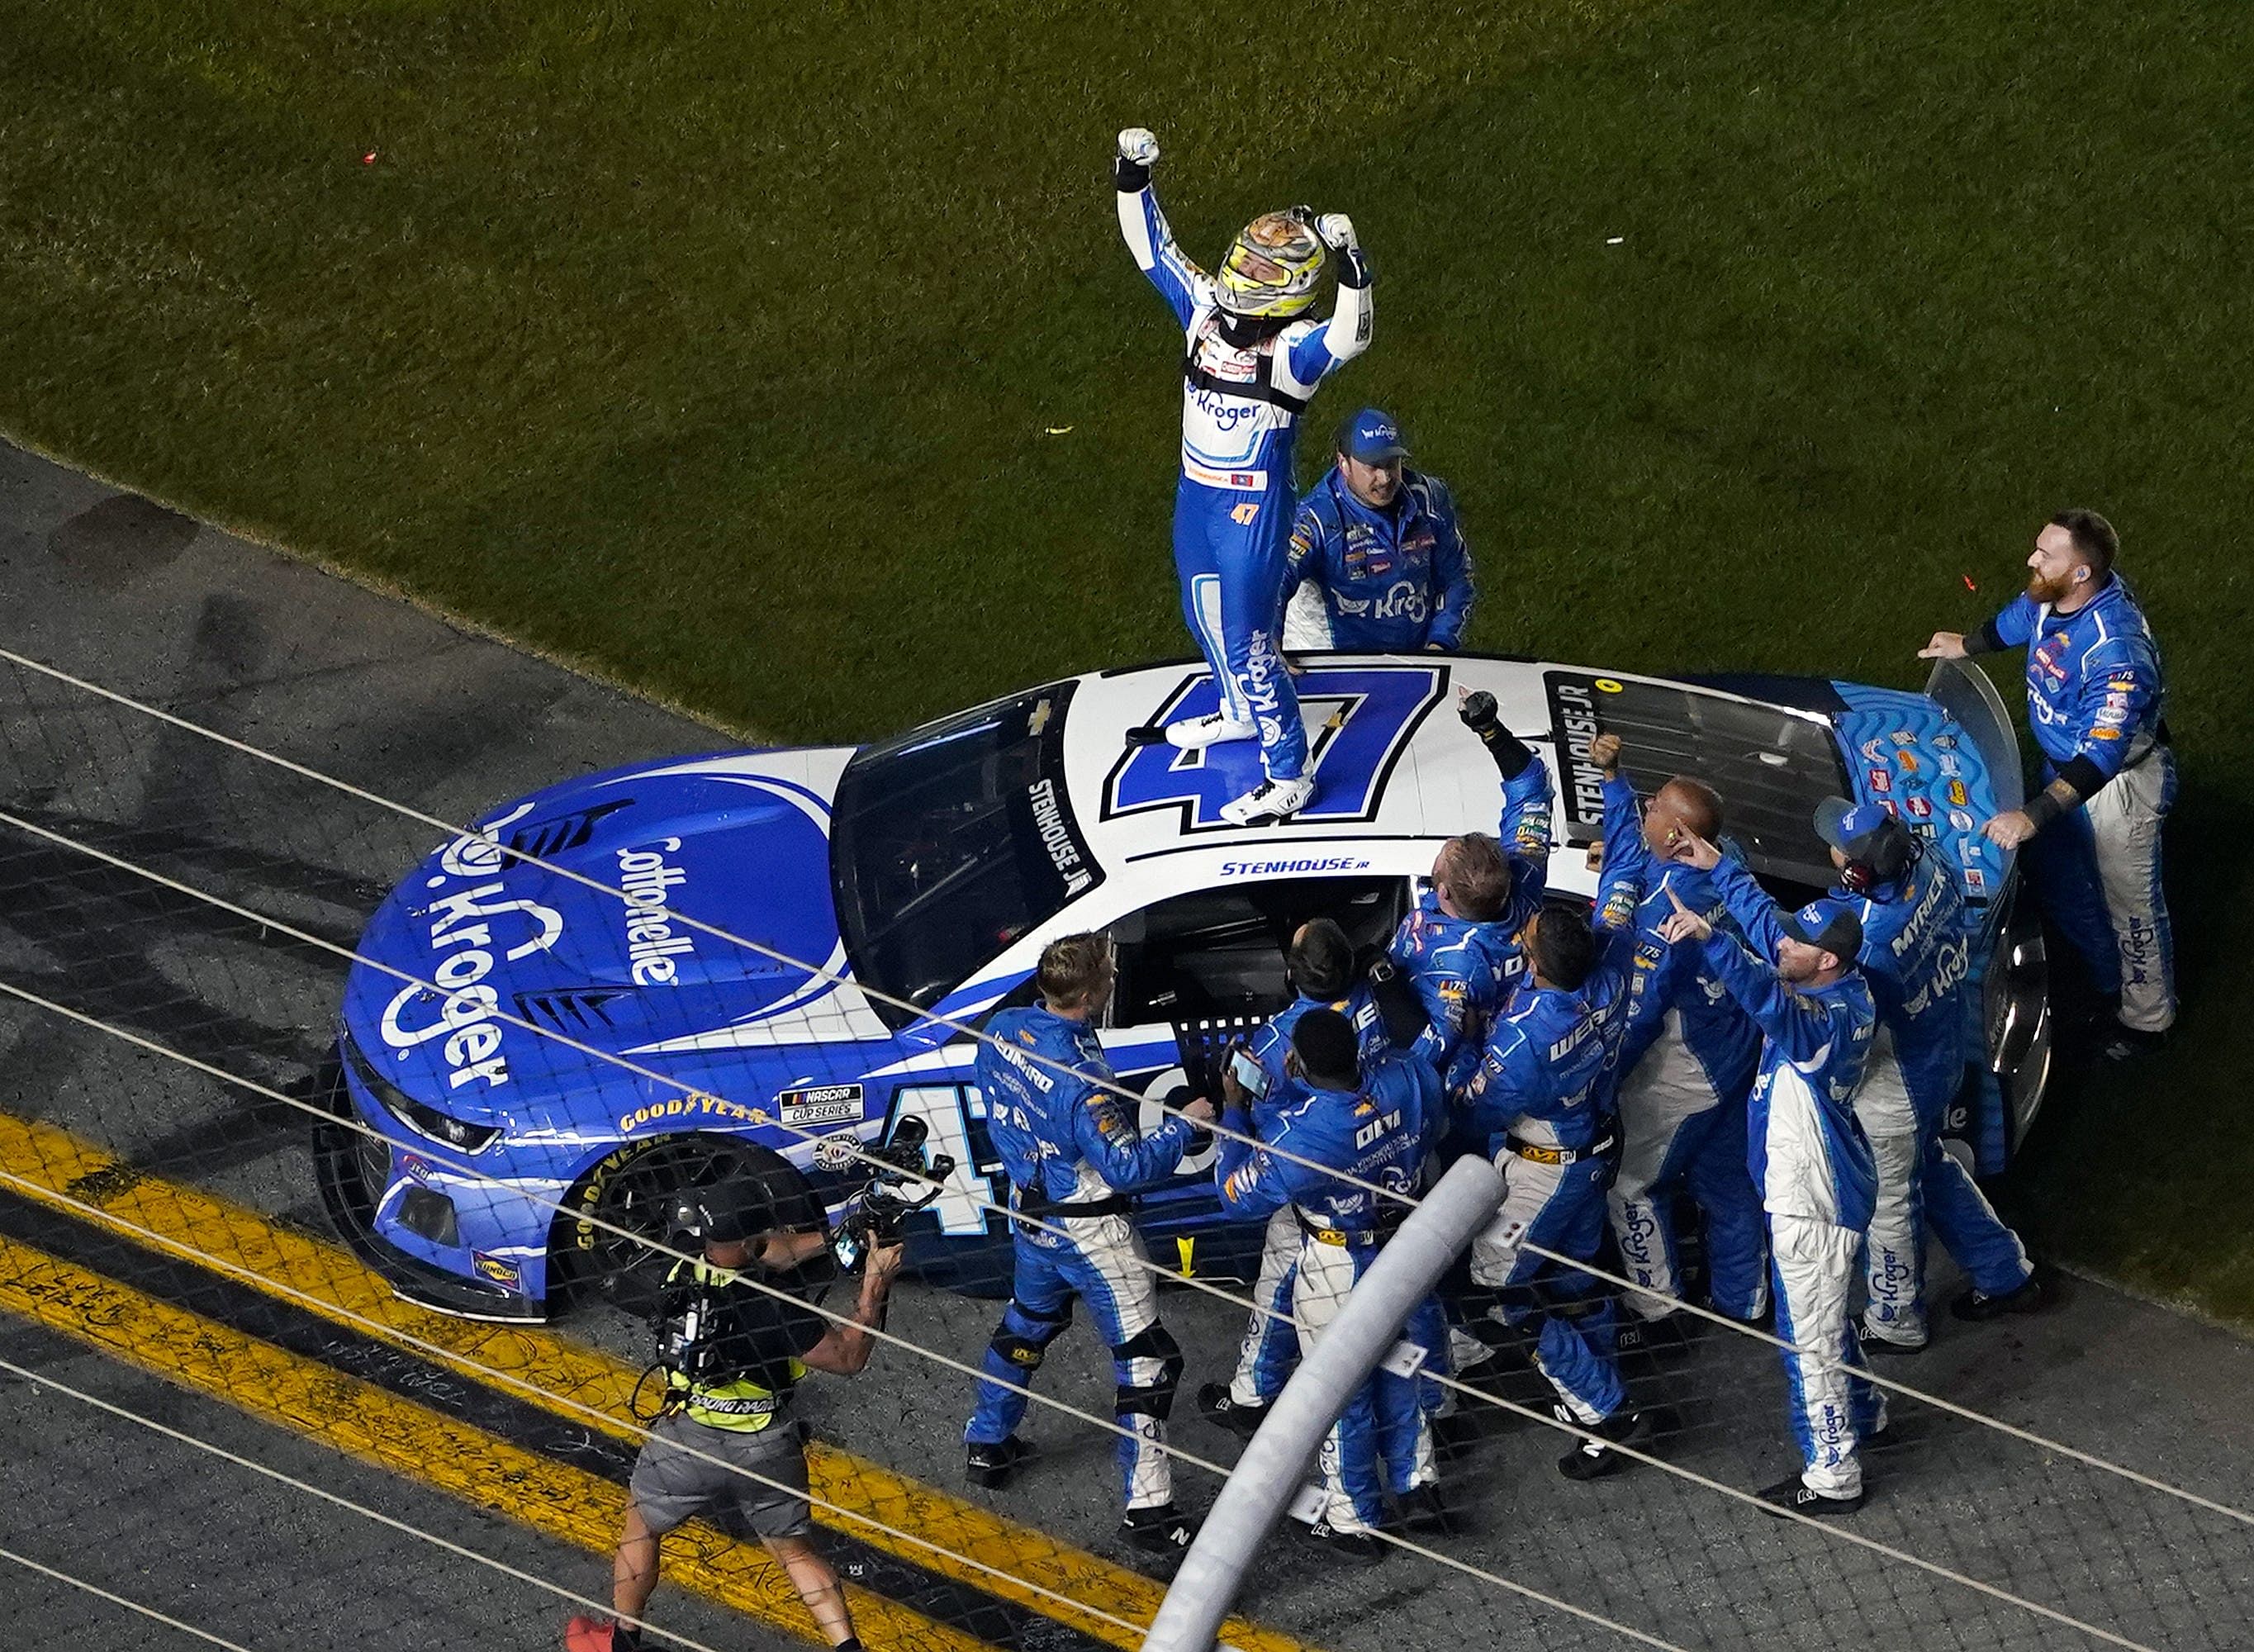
(881, 1207)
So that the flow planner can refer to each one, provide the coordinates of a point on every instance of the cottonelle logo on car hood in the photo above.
(652, 940)
(468, 929)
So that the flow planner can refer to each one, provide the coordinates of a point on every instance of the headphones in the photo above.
(1861, 877)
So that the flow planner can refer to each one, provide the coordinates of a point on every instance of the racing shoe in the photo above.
(1796, 1497)
(1419, 1511)
(1354, 1548)
(1595, 1458)
(1216, 1405)
(1877, 1341)
(1270, 801)
(1196, 733)
(1160, 1530)
(1974, 1305)
(991, 1466)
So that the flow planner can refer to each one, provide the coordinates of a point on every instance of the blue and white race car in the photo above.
(582, 1053)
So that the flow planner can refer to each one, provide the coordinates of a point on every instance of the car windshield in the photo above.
(950, 843)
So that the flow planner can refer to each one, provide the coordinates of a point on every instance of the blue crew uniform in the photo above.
(1915, 953)
(1378, 1134)
(1686, 1066)
(1240, 408)
(1536, 1103)
(2095, 700)
(1069, 1144)
(1463, 968)
(1272, 1345)
(1812, 1163)
(1390, 580)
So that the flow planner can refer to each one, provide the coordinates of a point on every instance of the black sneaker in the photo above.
(1217, 1405)
(991, 1466)
(1588, 1460)
(1421, 1512)
(1874, 1342)
(1796, 1497)
(1354, 1548)
(2127, 1043)
(1974, 1305)
(1160, 1530)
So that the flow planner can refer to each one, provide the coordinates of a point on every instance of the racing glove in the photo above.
(1139, 153)
(1510, 753)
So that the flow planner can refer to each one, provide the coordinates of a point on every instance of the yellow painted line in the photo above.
(364, 1422)
(564, 1375)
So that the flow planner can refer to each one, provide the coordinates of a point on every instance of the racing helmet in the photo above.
(1271, 269)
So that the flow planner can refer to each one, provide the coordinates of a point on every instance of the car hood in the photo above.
(739, 841)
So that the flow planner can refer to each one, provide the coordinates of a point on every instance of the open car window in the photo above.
(1217, 955)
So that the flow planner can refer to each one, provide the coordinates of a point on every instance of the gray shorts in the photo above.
(767, 1500)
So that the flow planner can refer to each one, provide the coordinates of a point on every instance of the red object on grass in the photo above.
(1969, 585)
(368, 159)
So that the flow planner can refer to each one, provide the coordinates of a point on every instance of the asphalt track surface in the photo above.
(240, 639)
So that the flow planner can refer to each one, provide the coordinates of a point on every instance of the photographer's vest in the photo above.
(738, 1405)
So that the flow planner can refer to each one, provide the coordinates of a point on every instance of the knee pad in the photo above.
(1157, 1398)
(1024, 1351)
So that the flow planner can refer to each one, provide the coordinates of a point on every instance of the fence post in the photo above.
(1268, 1475)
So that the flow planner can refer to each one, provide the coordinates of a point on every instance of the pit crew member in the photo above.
(1069, 1142)
(1795, 974)
(1685, 1060)
(1253, 361)
(1377, 564)
(2095, 701)
(1371, 1124)
(1538, 1103)
(1321, 965)
(1913, 956)
(727, 1442)
(1457, 949)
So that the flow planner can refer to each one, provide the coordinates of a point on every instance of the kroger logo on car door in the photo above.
(1358, 719)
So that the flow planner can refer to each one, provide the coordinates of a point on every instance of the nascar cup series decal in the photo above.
(1359, 719)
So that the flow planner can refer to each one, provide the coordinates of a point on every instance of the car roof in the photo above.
(1397, 771)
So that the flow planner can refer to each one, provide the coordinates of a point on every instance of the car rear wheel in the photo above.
(605, 1239)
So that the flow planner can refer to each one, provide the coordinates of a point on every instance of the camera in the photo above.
(877, 1211)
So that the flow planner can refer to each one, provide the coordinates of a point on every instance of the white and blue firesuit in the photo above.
(1809, 1158)
(1685, 1064)
(1393, 580)
(1379, 1134)
(1916, 949)
(1070, 1146)
(1536, 1103)
(1272, 1346)
(2095, 700)
(1461, 967)
(1240, 407)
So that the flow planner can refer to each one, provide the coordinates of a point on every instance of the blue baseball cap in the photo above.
(1864, 832)
(1372, 437)
(1830, 925)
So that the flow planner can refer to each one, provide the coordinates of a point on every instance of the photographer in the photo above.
(726, 1442)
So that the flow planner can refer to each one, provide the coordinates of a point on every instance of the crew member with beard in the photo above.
(2095, 701)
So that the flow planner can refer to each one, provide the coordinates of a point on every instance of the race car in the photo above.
(630, 984)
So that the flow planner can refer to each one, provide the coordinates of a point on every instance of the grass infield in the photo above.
(784, 363)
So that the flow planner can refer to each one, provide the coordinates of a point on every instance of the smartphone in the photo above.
(1248, 1073)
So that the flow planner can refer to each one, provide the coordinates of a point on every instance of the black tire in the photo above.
(602, 1241)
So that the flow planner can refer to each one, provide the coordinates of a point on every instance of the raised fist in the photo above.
(1337, 231)
(1139, 145)
(1477, 711)
(1605, 750)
